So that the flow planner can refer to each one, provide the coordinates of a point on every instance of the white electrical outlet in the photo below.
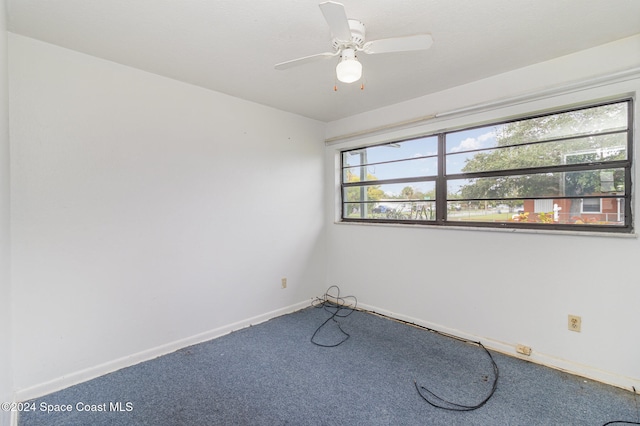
(575, 323)
(524, 350)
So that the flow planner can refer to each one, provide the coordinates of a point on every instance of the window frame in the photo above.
(442, 178)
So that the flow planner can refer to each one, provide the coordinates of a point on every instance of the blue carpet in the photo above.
(271, 374)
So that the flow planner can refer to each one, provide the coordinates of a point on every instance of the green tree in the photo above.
(407, 192)
(356, 194)
(519, 154)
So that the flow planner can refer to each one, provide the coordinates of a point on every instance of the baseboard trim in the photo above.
(581, 370)
(146, 355)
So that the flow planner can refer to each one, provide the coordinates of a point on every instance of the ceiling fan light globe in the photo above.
(349, 71)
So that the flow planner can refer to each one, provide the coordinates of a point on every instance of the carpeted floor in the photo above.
(271, 374)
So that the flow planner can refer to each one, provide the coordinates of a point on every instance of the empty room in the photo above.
(319, 212)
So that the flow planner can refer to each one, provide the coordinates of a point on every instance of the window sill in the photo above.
(487, 229)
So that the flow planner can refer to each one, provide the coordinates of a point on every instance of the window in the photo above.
(542, 206)
(560, 171)
(591, 205)
(407, 192)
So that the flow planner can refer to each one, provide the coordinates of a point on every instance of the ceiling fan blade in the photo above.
(305, 60)
(336, 17)
(398, 44)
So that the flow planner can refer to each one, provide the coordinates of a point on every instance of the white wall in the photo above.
(502, 288)
(6, 387)
(146, 212)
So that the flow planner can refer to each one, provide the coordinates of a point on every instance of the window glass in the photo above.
(402, 150)
(392, 210)
(549, 184)
(425, 166)
(570, 124)
(362, 201)
(602, 148)
(562, 170)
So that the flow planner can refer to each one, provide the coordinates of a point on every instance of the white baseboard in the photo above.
(146, 355)
(509, 349)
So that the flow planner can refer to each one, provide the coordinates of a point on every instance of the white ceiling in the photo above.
(231, 46)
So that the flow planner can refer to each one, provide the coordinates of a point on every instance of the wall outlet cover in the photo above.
(524, 350)
(575, 323)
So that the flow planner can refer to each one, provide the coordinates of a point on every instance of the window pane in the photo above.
(471, 140)
(571, 151)
(391, 210)
(588, 121)
(594, 182)
(400, 169)
(403, 150)
(563, 211)
(605, 118)
(560, 184)
(484, 211)
(416, 191)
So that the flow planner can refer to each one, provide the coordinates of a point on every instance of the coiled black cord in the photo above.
(339, 307)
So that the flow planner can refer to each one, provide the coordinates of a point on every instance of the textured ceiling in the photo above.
(231, 46)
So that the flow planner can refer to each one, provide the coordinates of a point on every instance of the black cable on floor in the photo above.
(440, 402)
(626, 422)
(436, 400)
(339, 307)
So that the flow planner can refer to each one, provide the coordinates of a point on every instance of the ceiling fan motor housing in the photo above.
(357, 36)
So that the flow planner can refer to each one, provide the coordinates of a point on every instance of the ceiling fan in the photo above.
(349, 39)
